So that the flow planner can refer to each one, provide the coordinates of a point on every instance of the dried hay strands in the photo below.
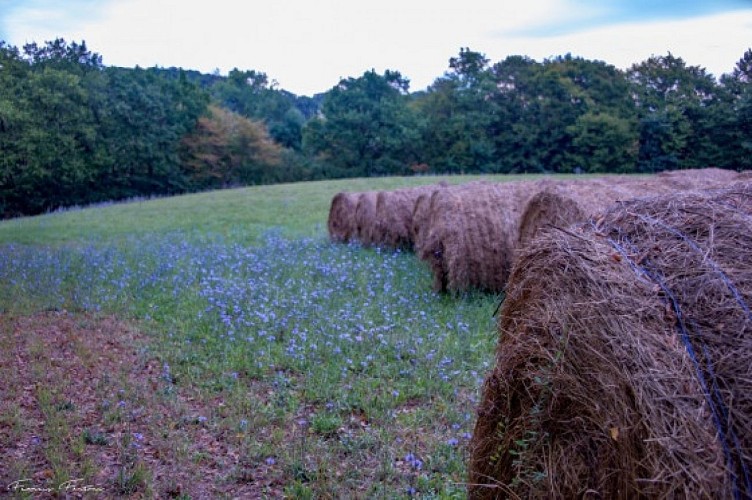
(365, 213)
(561, 204)
(419, 221)
(393, 216)
(624, 362)
(471, 234)
(701, 178)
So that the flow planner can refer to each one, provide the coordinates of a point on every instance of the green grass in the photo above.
(333, 370)
(299, 209)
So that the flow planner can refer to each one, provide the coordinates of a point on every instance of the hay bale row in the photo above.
(469, 234)
(702, 178)
(351, 216)
(624, 362)
(376, 218)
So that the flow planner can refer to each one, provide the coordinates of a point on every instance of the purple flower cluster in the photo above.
(301, 304)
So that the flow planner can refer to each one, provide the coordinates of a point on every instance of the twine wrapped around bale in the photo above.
(341, 222)
(471, 234)
(624, 362)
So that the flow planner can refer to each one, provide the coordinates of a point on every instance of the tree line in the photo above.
(74, 131)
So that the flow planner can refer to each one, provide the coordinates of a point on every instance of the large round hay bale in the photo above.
(421, 219)
(393, 216)
(471, 234)
(624, 362)
(563, 203)
(341, 222)
(560, 204)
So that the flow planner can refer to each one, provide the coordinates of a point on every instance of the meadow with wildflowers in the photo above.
(322, 370)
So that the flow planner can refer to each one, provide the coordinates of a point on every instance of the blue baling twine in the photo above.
(718, 408)
(737, 296)
(725, 416)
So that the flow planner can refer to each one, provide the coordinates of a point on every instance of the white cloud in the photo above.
(308, 45)
(715, 42)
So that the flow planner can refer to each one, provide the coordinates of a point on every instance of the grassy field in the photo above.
(241, 215)
(217, 344)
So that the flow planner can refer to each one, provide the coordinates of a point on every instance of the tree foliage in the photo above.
(365, 127)
(251, 94)
(74, 131)
(674, 103)
(457, 116)
(227, 149)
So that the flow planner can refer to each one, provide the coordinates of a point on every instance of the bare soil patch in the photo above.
(86, 411)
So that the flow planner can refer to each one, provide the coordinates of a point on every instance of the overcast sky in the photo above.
(308, 45)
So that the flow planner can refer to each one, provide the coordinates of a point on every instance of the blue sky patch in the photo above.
(589, 14)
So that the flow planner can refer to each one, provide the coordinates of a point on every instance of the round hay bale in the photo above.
(561, 204)
(341, 222)
(624, 362)
(393, 216)
(471, 234)
(365, 217)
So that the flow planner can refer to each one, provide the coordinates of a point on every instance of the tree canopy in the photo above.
(74, 131)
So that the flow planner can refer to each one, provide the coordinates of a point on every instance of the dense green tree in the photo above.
(366, 127)
(76, 132)
(602, 142)
(547, 113)
(61, 55)
(513, 98)
(48, 127)
(675, 104)
(554, 105)
(147, 115)
(456, 114)
(14, 122)
(736, 122)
